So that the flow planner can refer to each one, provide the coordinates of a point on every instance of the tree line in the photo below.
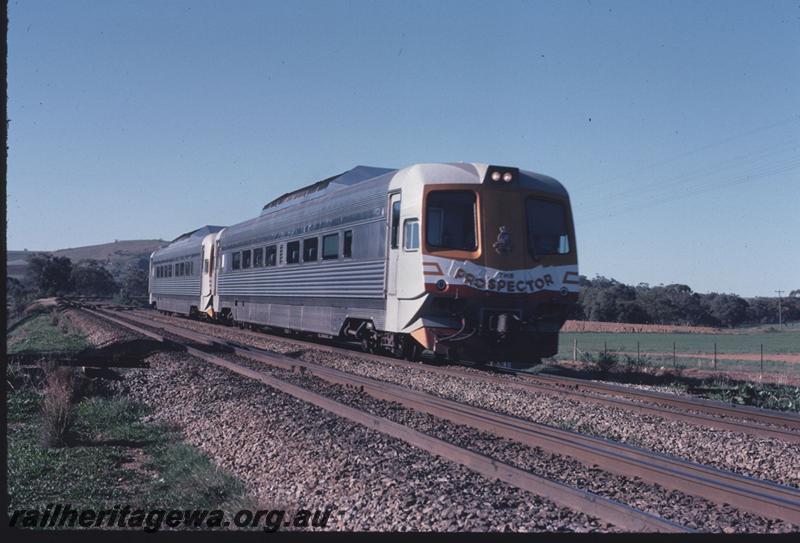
(48, 276)
(601, 299)
(604, 299)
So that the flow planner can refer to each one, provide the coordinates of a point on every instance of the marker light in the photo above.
(441, 284)
(507, 177)
(495, 176)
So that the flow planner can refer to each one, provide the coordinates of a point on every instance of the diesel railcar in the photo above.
(465, 260)
(175, 273)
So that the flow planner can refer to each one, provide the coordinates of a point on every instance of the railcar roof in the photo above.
(185, 244)
(359, 174)
(201, 232)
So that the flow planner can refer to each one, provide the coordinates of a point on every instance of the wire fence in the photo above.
(756, 357)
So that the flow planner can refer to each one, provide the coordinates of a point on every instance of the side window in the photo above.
(236, 262)
(330, 247)
(205, 266)
(310, 249)
(246, 259)
(258, 257)
(293, 252)
(411, 235)
(347, 248)
(169, 270)
(181, 269)
(395, 223)
(191, 268)
(271, 254)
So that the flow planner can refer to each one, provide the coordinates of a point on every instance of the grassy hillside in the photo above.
(116, 255)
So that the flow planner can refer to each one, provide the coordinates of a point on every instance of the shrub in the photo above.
(634, 365)
(57, 411)
(604, 362)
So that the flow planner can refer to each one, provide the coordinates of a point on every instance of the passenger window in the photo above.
(271, 253)
(236, 263)
(411, 235)
(293, 252)
(310, 249)
(169, 270)
(347, 249)
(246, 259)
(395, 223)
(181, 267)
(330, 247)
(258, 257)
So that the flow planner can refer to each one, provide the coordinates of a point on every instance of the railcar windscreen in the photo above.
(547, 227)
(450, 220)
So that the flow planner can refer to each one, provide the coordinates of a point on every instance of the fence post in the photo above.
(715, 356)
(674, 363)
(762, 359)
(605, 348)
(637, 351)
(575, 350)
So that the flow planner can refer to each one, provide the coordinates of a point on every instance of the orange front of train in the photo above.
(499, 257)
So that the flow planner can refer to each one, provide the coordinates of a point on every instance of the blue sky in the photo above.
(675, 126)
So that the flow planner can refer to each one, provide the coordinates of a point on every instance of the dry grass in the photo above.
(57, 410)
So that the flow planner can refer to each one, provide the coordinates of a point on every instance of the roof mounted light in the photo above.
(499, 174)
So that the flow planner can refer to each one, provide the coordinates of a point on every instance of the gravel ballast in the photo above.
(759, 457)
(292, 454)
(696, 513)
(99, 333)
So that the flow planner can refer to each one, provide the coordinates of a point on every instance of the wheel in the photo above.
(412, 351)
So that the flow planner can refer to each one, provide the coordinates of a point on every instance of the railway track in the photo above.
(752, 495)
(611, 511)
(713, 414)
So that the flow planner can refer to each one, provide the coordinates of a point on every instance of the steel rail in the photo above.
(755, 414)
(608, 510)
(753, 495)
(744, 419)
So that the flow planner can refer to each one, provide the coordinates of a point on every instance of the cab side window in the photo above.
(411, 235)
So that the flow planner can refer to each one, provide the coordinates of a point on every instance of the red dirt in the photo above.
(624, 327)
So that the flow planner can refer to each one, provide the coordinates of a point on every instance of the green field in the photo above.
(787, 342)
(774, 342)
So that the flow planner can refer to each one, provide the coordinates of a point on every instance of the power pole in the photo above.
(780, 314)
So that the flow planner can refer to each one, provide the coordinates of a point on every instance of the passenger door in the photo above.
(393, 243)
(207, 272)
